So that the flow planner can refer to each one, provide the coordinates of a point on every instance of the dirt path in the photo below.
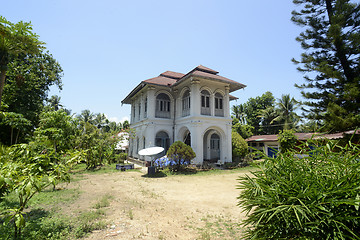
(173, 207)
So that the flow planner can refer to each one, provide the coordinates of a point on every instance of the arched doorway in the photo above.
(187, 138)
(212, 145)
(162, 140)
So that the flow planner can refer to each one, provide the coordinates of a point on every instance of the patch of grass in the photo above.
(198, 172)
(44, 219)
(218, 227)
(131, 214)
(51, 198)
(88, 222)
(103, 202)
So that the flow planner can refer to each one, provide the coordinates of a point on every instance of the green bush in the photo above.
(314, 197)
(287, 140)
(239, 146)
(181, 154)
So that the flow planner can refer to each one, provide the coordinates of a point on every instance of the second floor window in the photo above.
(186, 104)
(219, 110)
(205, 102)
(145, 108)
(162, 106)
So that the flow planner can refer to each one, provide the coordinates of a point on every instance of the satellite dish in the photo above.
(151, 151)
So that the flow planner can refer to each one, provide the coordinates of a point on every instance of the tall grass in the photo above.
(314, 197)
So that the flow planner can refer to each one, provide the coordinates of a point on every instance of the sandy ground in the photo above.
(172, 207)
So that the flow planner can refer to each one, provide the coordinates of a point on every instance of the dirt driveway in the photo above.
(173, 207)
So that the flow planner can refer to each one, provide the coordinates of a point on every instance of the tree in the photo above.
(244, 130)
(238, 112)
(181, 154)
(86, 116)
(54, 102)
(239, 146)
(249, 111)
(268, 115)
(14, 121)
(57, 127)
(330, 62)
(285, 112)
(15, 39)
(126, 124)
(29, 78)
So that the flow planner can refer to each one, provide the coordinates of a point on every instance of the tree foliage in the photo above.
(248, 113)
(285, 112)
(264, 115)
(287, 140)
(58, 128)
(239, 146)
(15, 39)
(25, 171)
(331, 41)
(180, 153)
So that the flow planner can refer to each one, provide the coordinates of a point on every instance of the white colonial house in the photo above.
(192, 107)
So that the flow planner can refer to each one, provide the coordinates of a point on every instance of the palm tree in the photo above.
(238, 112)
(15, 39)
(86, 116)
(100, 120)
(267, 116)
(54, 102)
(286, 111)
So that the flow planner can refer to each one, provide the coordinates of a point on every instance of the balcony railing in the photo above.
(205, 111)
(160, 114)
(186, 112)
(219, 112)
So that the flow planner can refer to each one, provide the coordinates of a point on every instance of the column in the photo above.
(151, 103)
(195, 99)
(226, 103)
(197, 142)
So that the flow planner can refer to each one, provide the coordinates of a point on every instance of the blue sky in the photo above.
(108, 47)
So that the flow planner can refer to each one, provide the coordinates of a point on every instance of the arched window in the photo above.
(162, 106)
(219, 109)
(205, 103)
(186, 104)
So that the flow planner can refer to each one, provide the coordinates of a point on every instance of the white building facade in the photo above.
(193, 108)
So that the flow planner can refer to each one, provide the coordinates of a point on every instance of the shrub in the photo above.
(239, 146)
(287, 140)
(316, 197)
(181, 154)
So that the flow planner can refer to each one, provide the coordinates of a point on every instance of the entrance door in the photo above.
(215, 147)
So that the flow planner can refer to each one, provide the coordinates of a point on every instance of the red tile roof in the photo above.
(205, 69)
(161, 81)
(171, 74)
(170, 78)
